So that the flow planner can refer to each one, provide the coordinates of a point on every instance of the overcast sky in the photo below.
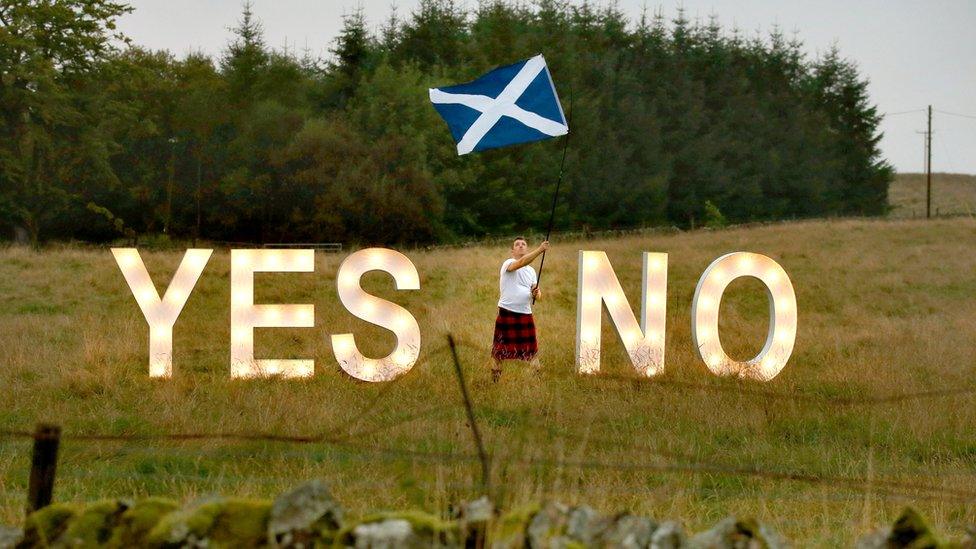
(914, 53)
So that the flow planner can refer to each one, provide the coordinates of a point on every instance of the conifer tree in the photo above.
(245, 57)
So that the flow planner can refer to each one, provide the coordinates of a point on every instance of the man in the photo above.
(514, 328)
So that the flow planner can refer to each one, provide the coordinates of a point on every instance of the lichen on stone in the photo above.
(45, 525)
(425, 529)
(735, 532)
(511, 528)
(94, 524)
(219, 522)
(138, 520)
(626, 531)
(668, 535)
(305, 515)
(912, 531)
(241, 523)
(474, 518)
(10, 537)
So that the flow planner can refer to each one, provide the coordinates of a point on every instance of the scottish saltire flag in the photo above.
(511, 104)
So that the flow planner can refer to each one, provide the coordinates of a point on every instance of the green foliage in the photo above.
(51, 147)
(117, 223)
(671, 122)
(713, 216)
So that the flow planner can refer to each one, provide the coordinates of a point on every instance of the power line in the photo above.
(902, 112)
(955, 114)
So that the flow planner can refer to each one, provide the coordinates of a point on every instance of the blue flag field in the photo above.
(512, 104)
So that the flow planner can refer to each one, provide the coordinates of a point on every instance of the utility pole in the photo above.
(196, 235)
(928, 168)
(169, 184)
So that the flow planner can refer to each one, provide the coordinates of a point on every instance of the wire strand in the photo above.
(885, 114)
(955, 114)
(890, 486)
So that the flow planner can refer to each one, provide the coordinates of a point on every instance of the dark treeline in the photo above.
(672, 122)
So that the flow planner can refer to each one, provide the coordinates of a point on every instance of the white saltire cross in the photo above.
(504, 105)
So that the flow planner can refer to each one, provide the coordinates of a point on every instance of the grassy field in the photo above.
(952, 193)
(885, 307)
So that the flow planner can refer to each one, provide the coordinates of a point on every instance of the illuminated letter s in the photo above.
(377, 311)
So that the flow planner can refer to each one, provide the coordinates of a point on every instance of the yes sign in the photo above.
(598, 287)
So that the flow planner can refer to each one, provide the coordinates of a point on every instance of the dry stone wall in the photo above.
(309, 516)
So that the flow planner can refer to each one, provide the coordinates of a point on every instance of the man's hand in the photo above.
(529, 257)
(536, 292)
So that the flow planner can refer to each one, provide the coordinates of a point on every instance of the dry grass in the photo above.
(885, 307)
(952, 194)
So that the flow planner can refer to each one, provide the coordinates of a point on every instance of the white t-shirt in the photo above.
(516, 288)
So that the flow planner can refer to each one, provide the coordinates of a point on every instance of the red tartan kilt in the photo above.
(514, 336)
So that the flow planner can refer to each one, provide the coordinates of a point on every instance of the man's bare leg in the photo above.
(536, 365)
(496, 371)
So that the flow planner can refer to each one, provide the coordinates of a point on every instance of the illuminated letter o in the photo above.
(782, 315)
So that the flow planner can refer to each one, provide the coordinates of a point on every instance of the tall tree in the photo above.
(51, 144)
(245, 57)
(350, 52)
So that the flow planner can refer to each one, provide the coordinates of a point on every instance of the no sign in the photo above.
(597, 288)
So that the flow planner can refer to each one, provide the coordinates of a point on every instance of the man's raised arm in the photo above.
(529, 257)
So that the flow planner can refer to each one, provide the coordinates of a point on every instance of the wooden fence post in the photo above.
(44, 462)
(482, 455)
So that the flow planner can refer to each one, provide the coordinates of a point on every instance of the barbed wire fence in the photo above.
(47, 438)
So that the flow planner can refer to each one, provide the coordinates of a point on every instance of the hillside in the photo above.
(952, 193)
(885, 308)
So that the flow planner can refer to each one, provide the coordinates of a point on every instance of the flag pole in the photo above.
(555, 195)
